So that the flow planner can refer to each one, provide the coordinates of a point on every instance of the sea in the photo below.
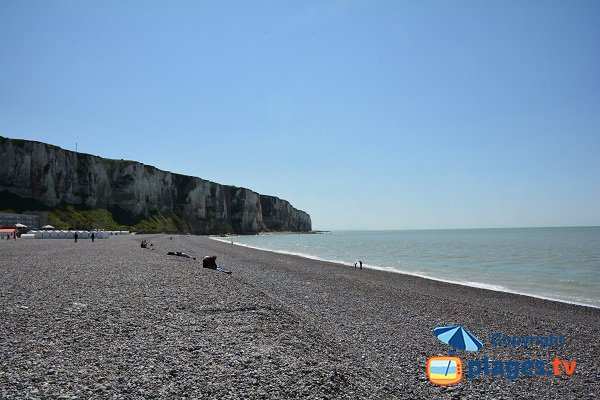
(553, 263)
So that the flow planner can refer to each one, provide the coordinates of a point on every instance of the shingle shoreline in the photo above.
(110, 319)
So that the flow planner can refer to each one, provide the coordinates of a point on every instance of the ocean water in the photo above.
(555, 263)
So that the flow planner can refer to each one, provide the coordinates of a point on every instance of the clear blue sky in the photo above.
(366, 114)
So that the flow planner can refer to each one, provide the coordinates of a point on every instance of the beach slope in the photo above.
(103, 319)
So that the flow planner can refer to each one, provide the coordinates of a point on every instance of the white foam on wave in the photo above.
(489, 286)
(479, 285)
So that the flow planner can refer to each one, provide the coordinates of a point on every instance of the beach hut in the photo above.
(62, 234)
(54, 235)
(8, 232)
(69, 235)
(38, 234)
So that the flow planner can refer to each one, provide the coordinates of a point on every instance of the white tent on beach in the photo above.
(44, 234)
(101, 235)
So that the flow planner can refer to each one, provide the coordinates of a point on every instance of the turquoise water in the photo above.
(556, 263)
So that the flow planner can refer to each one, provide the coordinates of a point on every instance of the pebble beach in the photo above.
(112, 320)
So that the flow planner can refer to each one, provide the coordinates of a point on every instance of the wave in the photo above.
(573, 282)
(479, 285)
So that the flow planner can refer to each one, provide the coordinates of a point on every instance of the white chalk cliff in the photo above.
(44, 177)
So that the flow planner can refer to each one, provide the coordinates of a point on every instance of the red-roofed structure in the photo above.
(10, 233)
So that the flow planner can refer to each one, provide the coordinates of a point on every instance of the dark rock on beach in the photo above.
(111, 320)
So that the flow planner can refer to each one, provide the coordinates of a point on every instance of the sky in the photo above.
(365, 114)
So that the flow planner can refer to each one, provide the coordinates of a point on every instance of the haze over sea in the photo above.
(555, 263)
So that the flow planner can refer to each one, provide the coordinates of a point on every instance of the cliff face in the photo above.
(47, 176)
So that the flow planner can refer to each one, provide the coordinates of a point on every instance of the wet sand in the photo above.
(104, 319)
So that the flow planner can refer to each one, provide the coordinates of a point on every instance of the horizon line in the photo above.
(450, 229)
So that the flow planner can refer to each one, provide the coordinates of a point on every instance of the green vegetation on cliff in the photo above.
(71, 218)
(156, 223)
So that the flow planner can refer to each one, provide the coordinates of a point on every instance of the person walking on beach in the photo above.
(360, 263)
(210, 262)
(76, 236)
(93, 237)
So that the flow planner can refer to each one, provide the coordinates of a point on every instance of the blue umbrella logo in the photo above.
(458, 337)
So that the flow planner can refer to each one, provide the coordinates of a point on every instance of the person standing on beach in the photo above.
(93, 237)
(76, 236)
(360, 263)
